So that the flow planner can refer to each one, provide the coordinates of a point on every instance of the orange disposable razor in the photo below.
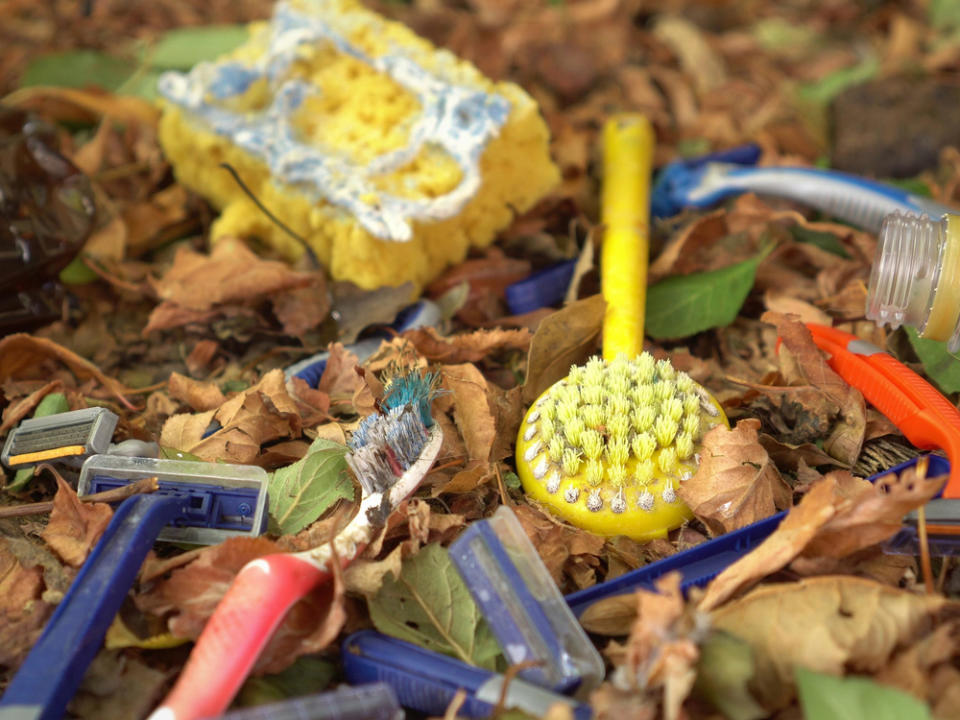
(925, 417)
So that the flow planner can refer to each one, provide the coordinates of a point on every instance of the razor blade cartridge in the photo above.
(219, 500)
(64, 436)
(523, 605)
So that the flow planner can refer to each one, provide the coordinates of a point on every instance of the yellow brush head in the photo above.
(606, 447)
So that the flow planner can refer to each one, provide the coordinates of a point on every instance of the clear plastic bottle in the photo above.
(915, 279)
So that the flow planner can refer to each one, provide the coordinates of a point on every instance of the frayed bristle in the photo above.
(387, 443)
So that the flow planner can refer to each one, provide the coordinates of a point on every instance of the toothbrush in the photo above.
(390, 453)
(703, 182)
(606, 447)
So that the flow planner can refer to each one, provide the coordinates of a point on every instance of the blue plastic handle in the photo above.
(700, 564)
(376, 701)
(427, 681)
(53, 670)
(541, 289)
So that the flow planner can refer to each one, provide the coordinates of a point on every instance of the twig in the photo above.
(143, 485)
(922, 532)
(508, 677)
(944, 568)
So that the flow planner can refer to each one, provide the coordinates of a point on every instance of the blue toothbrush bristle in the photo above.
(386, 444)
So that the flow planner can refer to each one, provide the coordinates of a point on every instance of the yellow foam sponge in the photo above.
(390, 157)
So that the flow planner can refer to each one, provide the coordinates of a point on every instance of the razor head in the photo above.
(61, 437)
(523, 605)
(221, 500)
(679, 179)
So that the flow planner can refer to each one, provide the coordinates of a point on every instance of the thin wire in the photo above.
(276, 221)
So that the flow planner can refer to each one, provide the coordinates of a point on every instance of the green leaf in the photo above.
(306, 676)
(944, 14)
(822, 91)
(300, 493)
(725, 667)
(823, 240)
(825, 697)
(941, 366)
(77, 272)
(76, 69)
(51, 404)
(914, 185)
(683, 305)
(429, 605)
(183, 48)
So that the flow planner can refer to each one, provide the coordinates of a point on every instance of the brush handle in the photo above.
(244, 621)
(628, 142)
(53, 670)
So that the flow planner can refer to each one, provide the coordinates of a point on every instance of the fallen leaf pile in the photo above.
(187, 343)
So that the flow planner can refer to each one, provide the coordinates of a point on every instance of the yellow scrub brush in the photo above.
(606, 447)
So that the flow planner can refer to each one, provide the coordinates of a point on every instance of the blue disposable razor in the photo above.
(196, 502)
(700, 564)
(705, 181)
(427, 681)
(523, 606)
(421, 314)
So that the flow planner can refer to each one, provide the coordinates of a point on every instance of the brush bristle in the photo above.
(617, 426)
(386, 443)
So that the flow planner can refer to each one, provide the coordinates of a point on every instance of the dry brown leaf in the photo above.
(84, 106)
(22, 612)
(471, 409)
(840, 515)
(192, 592)
(828, 624)
(466, 347)
(661, 651)
(557, 543)
(697, 58)
(736, 483)
(200, 396)
(74, 527)
(23, 356)
(118, 686)
(802, 363)
(340, 379)
(146, 222)
(785, 303)
(15, 412)
(185, 430)
(302, 309)
(567, 337)
(230, 274)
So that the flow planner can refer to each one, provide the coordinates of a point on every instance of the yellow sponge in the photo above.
(391, 158)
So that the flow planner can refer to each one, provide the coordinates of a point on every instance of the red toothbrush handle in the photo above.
(244, 621)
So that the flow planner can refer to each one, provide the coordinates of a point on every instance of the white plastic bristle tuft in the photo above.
(594, 501)
(532, 451)
(646, 500)
(553, 482)
(571, 494)
(530, 431)
(618, 503)
(540, 469)
(669, 495)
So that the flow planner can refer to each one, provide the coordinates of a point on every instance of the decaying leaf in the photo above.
(23, 356)
(74, 527)
(22, 612)
(200, 396)
(429, 604)
(260, 414)
(828, 624)
(662, 651)
(567, 337)
(468, 347)
(472, 411)
(736, 483)
(838, 516)
(804, 364)
(117, 686)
